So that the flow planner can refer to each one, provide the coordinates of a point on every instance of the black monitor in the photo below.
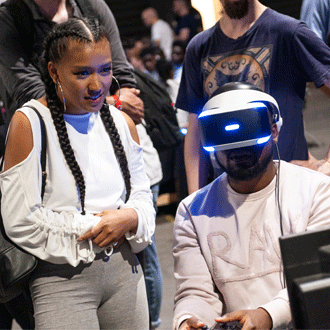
(306, 260)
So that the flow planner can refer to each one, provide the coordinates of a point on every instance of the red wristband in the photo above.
(117, 103)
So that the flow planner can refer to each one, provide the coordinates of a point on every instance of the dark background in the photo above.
(128, 13)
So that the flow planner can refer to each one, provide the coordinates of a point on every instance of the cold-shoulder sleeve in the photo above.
(141, 197)
(49, 235)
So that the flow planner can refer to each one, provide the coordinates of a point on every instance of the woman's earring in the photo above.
(117, 103)
(59, 85)
(117, 82)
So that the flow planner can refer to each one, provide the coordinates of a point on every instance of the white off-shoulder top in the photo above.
(49, 228)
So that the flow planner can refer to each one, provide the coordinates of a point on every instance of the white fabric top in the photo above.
(163, 32)
(151, 159)
(230, 240)
(50, 231)
(172, 87)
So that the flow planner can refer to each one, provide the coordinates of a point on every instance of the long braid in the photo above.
(118, 147)
(55, 108)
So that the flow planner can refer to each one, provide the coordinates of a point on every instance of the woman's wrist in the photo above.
(117, 102)
(131, 220)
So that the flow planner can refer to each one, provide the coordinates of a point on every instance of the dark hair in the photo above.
(83, 30)
(150, 50)
(165, 69)
(180, 43)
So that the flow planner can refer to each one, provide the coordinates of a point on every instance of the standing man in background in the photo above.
(256, 44)
(161, 31)
(187, 24)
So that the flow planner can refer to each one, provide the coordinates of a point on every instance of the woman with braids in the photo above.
(97, 209)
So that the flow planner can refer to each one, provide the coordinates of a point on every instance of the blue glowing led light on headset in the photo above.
(236, 116)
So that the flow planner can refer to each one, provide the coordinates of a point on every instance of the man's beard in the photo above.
(250, 168)
(236, 9)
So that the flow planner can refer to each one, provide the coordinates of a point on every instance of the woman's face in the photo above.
(85, 75)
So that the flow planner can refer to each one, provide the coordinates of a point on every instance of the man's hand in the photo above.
(322, 166)
(131, 103)
(250, 319)
(192, 323)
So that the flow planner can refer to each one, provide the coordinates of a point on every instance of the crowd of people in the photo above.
(93, 228)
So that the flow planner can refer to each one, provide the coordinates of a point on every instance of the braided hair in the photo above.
(82, 30)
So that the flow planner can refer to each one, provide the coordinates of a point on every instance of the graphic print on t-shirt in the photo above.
(251, 65)
(236, 258)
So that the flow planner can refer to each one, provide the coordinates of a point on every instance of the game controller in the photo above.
(234, 325)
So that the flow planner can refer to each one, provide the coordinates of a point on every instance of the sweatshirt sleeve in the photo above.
(195, 294)
(49, 235)
(279, 310)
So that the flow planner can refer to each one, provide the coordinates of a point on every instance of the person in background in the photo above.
(316, 14)
(172, 159)
(149, 257)
(149, 58)
(161, 31)
(227, 258)
(178, 52)
(132, 50)
(166, 73)
(249, 43)
(97, 209)
(186, 26)
(193, 11)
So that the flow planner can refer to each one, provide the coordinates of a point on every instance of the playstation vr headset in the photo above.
(236, 116)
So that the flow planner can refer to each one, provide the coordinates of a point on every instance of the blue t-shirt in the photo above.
(279, 54)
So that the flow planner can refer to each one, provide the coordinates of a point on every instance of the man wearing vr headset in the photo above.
(226, 249)
(256, 44)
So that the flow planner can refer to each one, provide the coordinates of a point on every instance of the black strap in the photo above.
(43, 150)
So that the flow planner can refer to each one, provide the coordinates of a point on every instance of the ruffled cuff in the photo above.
(146, 226)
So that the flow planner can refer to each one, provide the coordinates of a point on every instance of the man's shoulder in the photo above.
(161, 24)
(204, 38)
(207, 195)
(302, 175)
(275, 20)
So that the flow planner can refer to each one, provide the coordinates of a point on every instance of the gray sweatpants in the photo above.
(101, 295)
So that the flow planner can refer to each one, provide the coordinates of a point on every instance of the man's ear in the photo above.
(275, 132)
(52, 69)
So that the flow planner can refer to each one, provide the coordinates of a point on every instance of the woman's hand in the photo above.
(112, 228)
(249, 319)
